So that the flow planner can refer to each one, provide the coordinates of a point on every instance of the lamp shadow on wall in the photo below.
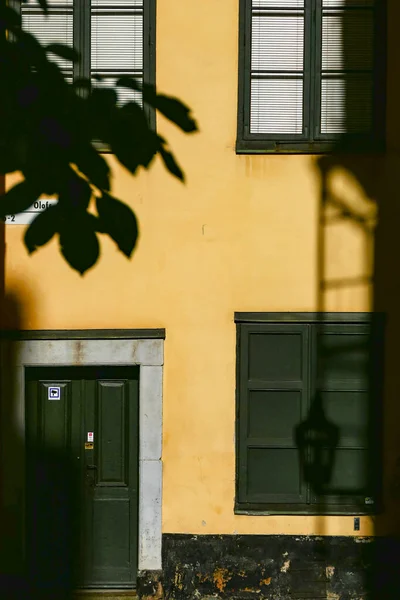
(358, 244)
(39, 509)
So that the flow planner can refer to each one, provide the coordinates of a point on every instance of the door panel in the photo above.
(112, 420)
(103, 467)
(111, 490)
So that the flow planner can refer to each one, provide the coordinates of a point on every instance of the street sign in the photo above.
(26, 217)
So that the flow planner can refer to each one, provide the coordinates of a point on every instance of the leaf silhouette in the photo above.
(42, 3)
(9, 17)
(42, 229)
(90, 162)
(175, 111)
(130, 83)
(75, 193)
(78, 243)
(19, 198)
(50, 127)
(171, 164)
(119, 221)
(172, 108)
(64, 51)
(131, 138)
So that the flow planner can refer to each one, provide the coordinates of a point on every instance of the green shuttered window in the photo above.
(311, 75)
(286, 363)
(114, 38)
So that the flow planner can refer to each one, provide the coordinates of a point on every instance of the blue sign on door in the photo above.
(54, 393)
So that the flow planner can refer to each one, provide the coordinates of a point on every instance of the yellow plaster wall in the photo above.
(243, 234)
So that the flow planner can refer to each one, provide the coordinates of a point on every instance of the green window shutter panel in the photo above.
(344, 357)
(286, 364)
(273, 400)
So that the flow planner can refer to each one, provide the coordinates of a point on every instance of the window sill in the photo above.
(257, 146)
(344, 510)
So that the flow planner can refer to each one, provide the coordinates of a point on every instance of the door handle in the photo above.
(92, 467)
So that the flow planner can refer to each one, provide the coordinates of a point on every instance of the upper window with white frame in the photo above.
(114, 38)
(311, 75)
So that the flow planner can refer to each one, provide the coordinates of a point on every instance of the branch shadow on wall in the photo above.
(358, 243)
(39, 539)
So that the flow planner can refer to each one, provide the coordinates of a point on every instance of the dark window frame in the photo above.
(81, 42)
(246, 322)
(309, 142)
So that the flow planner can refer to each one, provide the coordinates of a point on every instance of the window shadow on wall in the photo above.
(359, 243)
(39, 506)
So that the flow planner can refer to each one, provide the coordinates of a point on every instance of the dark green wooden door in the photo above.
(82, 468)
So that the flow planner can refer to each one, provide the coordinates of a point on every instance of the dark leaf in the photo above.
(97, 224)
(130, 82)
(131, 139)
(149, 93)
(9, 17)
(31, 49)
(101, 106)
(44, 166)
(42, 229)
(55, 132)
(64, 51)
(171, 164)
(75, 193)
(28, 95)
(176, 112)
(82, 82)
(119, 221)
(103, 97)
(93, 165)
(8, 158)
(19, 198)
(79, 244)
(43, 6)
(172, 108)
(132, 112)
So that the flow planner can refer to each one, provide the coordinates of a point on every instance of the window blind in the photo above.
(55, 28)
(347, 63)
(117, 43)
(311, 75)
(116, 39)
(277, 66)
